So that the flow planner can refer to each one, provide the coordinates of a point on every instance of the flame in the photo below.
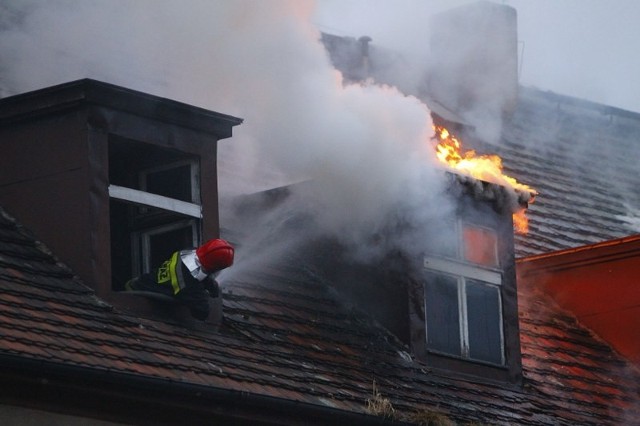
(484, 167)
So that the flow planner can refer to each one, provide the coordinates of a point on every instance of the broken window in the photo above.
(480, 245)
(462, 295)
(155, 206)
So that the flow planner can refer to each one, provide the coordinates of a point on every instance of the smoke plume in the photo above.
(365, 148)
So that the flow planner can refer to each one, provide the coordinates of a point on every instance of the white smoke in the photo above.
(632, 218)
(366, 147)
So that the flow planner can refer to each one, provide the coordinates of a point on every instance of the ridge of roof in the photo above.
(560, 98)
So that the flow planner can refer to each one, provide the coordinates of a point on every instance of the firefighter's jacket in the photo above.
(180, 277)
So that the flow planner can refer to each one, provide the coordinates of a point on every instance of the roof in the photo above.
(88, 91)
(582, 159)
(598, 284)
(287, 336)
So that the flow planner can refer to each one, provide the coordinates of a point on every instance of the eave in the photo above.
(94, 392)
(70, 95)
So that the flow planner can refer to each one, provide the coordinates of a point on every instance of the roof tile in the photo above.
(289, 337)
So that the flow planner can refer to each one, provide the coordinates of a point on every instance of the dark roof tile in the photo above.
(582, 158)
(285, 335)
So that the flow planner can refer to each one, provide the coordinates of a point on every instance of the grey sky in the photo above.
(581, 48)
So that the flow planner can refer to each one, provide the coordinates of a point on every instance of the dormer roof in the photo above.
(93, 92)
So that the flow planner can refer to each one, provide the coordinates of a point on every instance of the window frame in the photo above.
(141, 244)
(150, 214)
(462, 270)
(147, 199)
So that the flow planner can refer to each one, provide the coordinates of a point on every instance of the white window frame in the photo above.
(142, 242)
(152, 200)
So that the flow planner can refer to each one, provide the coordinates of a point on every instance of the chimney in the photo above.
(474, 62)
(350, 56)
(111, 179)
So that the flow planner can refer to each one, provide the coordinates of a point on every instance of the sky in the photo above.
(582, 48)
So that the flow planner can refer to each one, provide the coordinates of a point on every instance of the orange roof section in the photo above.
(599, 284)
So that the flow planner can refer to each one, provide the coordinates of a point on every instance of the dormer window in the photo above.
(462, 300)
(155, 206)
(462, 296)
(126, 178)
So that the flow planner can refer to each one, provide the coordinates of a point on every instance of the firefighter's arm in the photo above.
(212, 287)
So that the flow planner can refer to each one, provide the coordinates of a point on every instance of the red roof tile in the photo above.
(286, 336)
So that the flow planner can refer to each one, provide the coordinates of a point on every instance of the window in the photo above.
(178, 180)
(157, 243)
(480, 246)
(462, 294)
(154, 205)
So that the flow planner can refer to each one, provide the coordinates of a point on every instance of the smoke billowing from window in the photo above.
(366, 147)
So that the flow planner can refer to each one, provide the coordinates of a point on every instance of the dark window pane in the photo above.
(480, 246)
(163, 244)
(441, 304)
(142, 237)
(483, 313)
(174, 182)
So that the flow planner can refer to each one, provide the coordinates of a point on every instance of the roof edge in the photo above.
(184, 397)
(580, 256)
(73, 94)
(562, 99)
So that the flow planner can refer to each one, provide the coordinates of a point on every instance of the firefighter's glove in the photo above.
(211, 286)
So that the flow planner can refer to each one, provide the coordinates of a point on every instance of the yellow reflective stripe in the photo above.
(163, 276)
(172, 270)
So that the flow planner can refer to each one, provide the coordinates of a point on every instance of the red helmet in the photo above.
(215, 255)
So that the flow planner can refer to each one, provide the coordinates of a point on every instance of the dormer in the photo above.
(449, 295)
(463, 304)
(113, 180)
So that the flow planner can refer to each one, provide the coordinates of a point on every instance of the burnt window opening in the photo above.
(462, 294)
(155, 206)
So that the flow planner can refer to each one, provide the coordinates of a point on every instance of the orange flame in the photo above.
(483, 167)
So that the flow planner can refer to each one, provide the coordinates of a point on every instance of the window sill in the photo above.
(470, 360)
(466, 367)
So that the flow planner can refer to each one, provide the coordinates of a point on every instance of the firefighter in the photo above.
(186, 276)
